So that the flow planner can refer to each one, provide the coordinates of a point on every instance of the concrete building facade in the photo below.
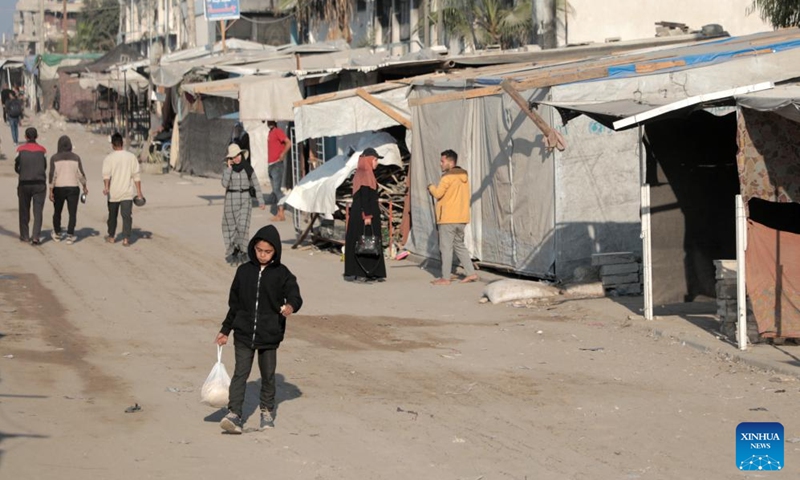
(38, 23)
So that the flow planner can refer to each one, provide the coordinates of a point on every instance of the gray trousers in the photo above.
(451, 237)
(276, 179)
(267, 360)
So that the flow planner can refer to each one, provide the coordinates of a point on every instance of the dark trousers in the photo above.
(27, 193)
(267, 360)
(71, 196)
(127, 218)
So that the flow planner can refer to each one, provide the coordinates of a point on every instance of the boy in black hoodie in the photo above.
(264, 292)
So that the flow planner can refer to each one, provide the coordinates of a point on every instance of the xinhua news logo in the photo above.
(759, 446)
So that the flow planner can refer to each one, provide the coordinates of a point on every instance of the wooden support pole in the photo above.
(553, 139)
(303, 235)
(223, 29)
(386, 109)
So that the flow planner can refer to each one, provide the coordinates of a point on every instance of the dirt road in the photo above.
(437, 386)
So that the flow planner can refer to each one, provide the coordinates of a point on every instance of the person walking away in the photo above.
(14, 111)
(238, 178)
(278, 145)
(263, 294)
(66, 176)
(5, 96)
(364, 218)
(31, 165)
(121, 183)
(452, 216)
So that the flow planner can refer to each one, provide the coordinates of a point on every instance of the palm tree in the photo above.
(310, 13)
(98, 25)
(484, 23)
(780, 13)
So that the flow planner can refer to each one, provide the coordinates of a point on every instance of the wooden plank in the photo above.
(655, 66)
(753, 53)
(452, 96)
(303, 235)
(326, 97)
(552, 138)
(315, 99)
(383, 107)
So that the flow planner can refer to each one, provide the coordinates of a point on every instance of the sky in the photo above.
(7, 16)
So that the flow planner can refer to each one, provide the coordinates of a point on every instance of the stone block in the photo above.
(600, 259)
(726, 290)
(625, 289)
(613, 280)
(619, 269)
(725, 269)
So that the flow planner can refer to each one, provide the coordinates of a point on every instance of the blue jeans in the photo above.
(14, 123)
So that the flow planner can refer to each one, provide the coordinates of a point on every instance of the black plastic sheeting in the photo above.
(204, 144)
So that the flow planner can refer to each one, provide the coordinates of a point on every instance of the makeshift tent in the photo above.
(261, 98)
(593, 195)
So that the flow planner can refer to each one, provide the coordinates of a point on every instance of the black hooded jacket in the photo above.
(268, 290)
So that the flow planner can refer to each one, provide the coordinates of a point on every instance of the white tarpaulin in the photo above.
(316, 192)
(269, 98)
(348, 115)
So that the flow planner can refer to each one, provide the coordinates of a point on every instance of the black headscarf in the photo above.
(243, 165)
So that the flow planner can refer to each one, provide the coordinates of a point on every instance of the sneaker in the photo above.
(232, 423)
(71, 239)
(55, 236)
(267, 420)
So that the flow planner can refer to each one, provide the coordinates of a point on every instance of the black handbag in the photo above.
(252, 188)
(368, 245)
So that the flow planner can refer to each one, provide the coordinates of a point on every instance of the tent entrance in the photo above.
(691, 170)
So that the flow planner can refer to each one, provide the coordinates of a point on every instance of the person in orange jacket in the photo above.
(452, 216)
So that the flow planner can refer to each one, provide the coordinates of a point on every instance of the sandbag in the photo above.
(215, 389)
(509, 290)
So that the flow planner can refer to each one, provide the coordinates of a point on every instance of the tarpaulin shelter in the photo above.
(260, 98)
(544, 212)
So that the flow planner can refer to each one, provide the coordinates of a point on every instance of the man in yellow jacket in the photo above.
(452, 215)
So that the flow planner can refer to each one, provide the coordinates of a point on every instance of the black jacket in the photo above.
(270, 289)
(31, 164)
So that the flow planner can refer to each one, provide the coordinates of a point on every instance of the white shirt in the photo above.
(122, 168)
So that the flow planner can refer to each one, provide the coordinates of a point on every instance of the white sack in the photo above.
(509, 290)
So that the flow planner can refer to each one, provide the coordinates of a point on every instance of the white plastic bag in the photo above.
(215, 391)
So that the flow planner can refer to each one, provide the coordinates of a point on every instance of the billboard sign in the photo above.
(221, 10)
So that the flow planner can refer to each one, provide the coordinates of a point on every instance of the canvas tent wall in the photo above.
(511, 177)
(596, 180)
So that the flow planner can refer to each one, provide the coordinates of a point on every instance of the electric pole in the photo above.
(40, 50)
(64, 24)
(191, 23)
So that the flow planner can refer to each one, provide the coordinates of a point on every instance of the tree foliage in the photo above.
(310, 13)
(780, 13)
(485, 23)
(98, 25)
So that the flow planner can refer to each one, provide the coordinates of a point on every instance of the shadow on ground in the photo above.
(284, 392)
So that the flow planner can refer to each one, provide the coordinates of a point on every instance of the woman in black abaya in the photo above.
(365, 217)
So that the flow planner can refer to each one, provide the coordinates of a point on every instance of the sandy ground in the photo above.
(390, 381)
